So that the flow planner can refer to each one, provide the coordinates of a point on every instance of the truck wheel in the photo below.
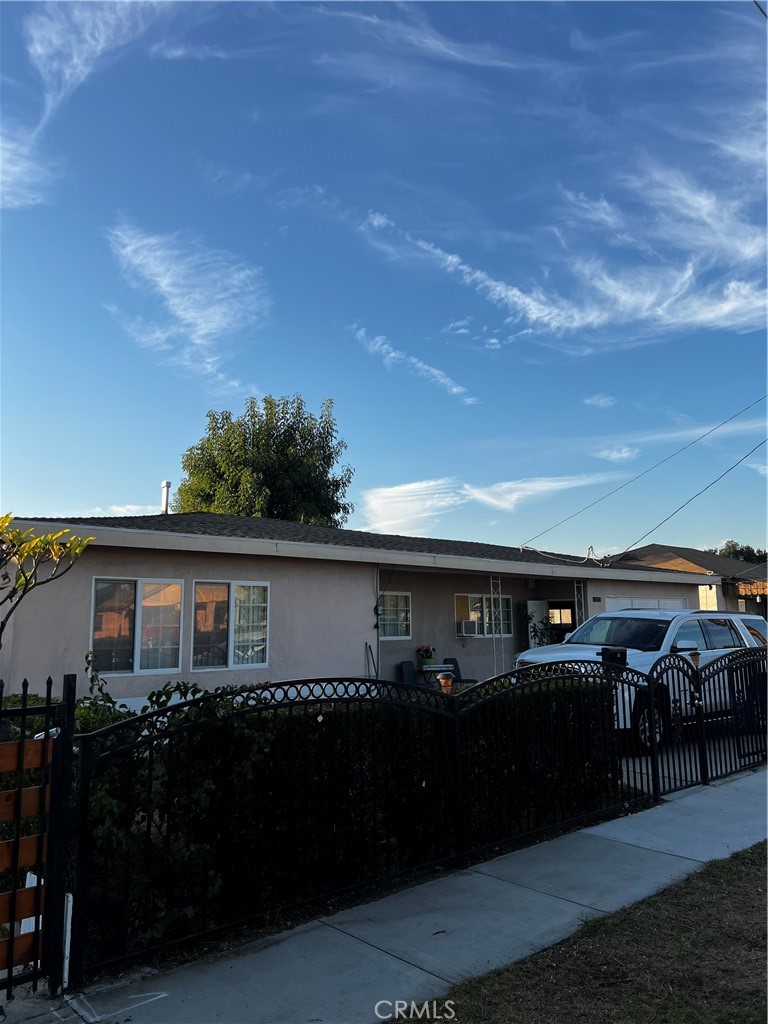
(646, 728)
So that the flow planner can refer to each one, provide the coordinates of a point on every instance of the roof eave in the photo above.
(136, 539)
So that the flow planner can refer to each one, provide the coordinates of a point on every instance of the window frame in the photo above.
(682, 625)
(732, 628)
(230, 665)
(486, 613)
(399, 636)
(139, 582)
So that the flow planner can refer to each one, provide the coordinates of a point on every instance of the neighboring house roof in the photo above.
(749, 577)
(253, 535)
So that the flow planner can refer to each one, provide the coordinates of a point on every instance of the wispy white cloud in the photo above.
(122, 510)
(508, 495)
(67, 42)
(597, 211)
(551, 312)
(390, 356)
(583, 43)
(24, 177)
(414, 32)
(759, 467)
(232, 182)
(696, 220)
(186, 51)
(458, 326)
(414, 509)
(741, 136)
(377, 221)
(182, 49)
(392, 73)
(600, 401)
(676, 255)
(208, 294)
(411, 509)
(654, 298)
(303, 195)
(621, 453)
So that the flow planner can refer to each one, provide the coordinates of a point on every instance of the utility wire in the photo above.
(644, 473)
(761, 9)
(616, 558)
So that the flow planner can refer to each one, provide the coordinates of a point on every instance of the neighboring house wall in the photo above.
(598, 591)
(711, 598)
(743, 588)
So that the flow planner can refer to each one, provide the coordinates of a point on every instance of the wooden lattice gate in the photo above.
(35, 786)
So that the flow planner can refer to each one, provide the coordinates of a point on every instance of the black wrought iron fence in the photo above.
(732, 691)
(228, 807)
(539, 750)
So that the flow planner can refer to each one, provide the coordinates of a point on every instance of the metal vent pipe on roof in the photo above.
(165, 493)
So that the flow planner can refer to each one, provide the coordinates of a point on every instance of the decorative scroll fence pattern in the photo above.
(235, 806)
(230, 807)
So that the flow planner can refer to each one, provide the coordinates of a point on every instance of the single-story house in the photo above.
(744, 584)
(219, 599)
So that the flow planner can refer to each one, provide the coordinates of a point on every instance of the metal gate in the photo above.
(35, 786)
(706, 723)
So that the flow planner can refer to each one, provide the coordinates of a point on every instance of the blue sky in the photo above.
(521, 246)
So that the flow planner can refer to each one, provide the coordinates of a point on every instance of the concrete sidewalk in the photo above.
(414, 944)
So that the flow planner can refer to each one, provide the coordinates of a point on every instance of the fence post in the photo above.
(82, 862)
(701, 739)
(59, 839)
(459, 809)
(653, 711)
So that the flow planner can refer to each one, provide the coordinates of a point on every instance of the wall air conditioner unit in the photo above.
(467, 628)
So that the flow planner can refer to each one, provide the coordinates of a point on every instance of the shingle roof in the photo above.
(212, 525)
(705, 560)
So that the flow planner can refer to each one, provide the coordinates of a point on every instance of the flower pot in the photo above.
(426, 661)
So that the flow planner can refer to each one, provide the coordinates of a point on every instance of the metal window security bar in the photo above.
(497, 628)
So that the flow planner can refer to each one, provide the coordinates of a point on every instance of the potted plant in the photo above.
(426, 654)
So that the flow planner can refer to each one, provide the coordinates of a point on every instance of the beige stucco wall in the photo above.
(320, 617)
(711, 598)
(433, 620)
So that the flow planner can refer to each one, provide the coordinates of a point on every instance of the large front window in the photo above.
(230, 627)
(493, 616)
(136, 625)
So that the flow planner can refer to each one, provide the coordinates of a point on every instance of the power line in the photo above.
(615, 558)
(644, 473)
(761, 9)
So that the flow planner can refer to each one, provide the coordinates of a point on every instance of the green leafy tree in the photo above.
(277, 460)
(731, 549)
(28, 561)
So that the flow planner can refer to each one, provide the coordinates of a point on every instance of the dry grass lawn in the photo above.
(694, 953)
